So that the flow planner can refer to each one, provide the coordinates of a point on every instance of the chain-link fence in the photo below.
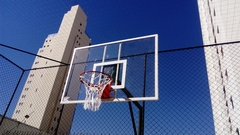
(10, 75)
(198, 94)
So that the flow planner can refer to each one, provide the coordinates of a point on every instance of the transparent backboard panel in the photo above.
(135, 63)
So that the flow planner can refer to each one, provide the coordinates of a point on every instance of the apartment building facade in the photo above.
(220, 23)
(39, 103)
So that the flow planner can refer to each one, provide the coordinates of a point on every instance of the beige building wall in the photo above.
(220, 23)
(38, 104)
(13, 127)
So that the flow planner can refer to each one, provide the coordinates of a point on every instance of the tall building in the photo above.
(220, 23)
(38, 104)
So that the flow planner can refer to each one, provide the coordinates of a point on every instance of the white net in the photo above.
(94, 82)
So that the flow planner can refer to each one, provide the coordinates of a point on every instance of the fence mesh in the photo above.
(198, 94)
(10, 75)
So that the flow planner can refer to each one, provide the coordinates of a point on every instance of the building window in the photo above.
(17, 111)
(80, 24)
(77, 41)
(47, 45)
(222, 51)
(51, 50)
(41, 51)
(46, 40)
(26, 89)
(224, 91)
(231, 100)
(51, 128)
(54, 119)
(41, 75)
(31, 75)
(79, 30)
(219, 63)
(20, 104)
(30, 105)
(50, 40)
(36, 62)
(226, 73)
(29, 82)
(23, 96)
(46, 63)
(36, 90)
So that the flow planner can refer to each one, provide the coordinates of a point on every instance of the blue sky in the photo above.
(25, 25)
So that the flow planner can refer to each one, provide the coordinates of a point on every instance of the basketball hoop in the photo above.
(95, 83)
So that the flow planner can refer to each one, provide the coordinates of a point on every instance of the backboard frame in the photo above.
(156, 94)
(124, 62)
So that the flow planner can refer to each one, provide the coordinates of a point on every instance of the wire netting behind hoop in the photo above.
(94, 82)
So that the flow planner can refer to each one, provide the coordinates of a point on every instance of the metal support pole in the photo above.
(142, 110)
(132, 116)
(138, 105)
